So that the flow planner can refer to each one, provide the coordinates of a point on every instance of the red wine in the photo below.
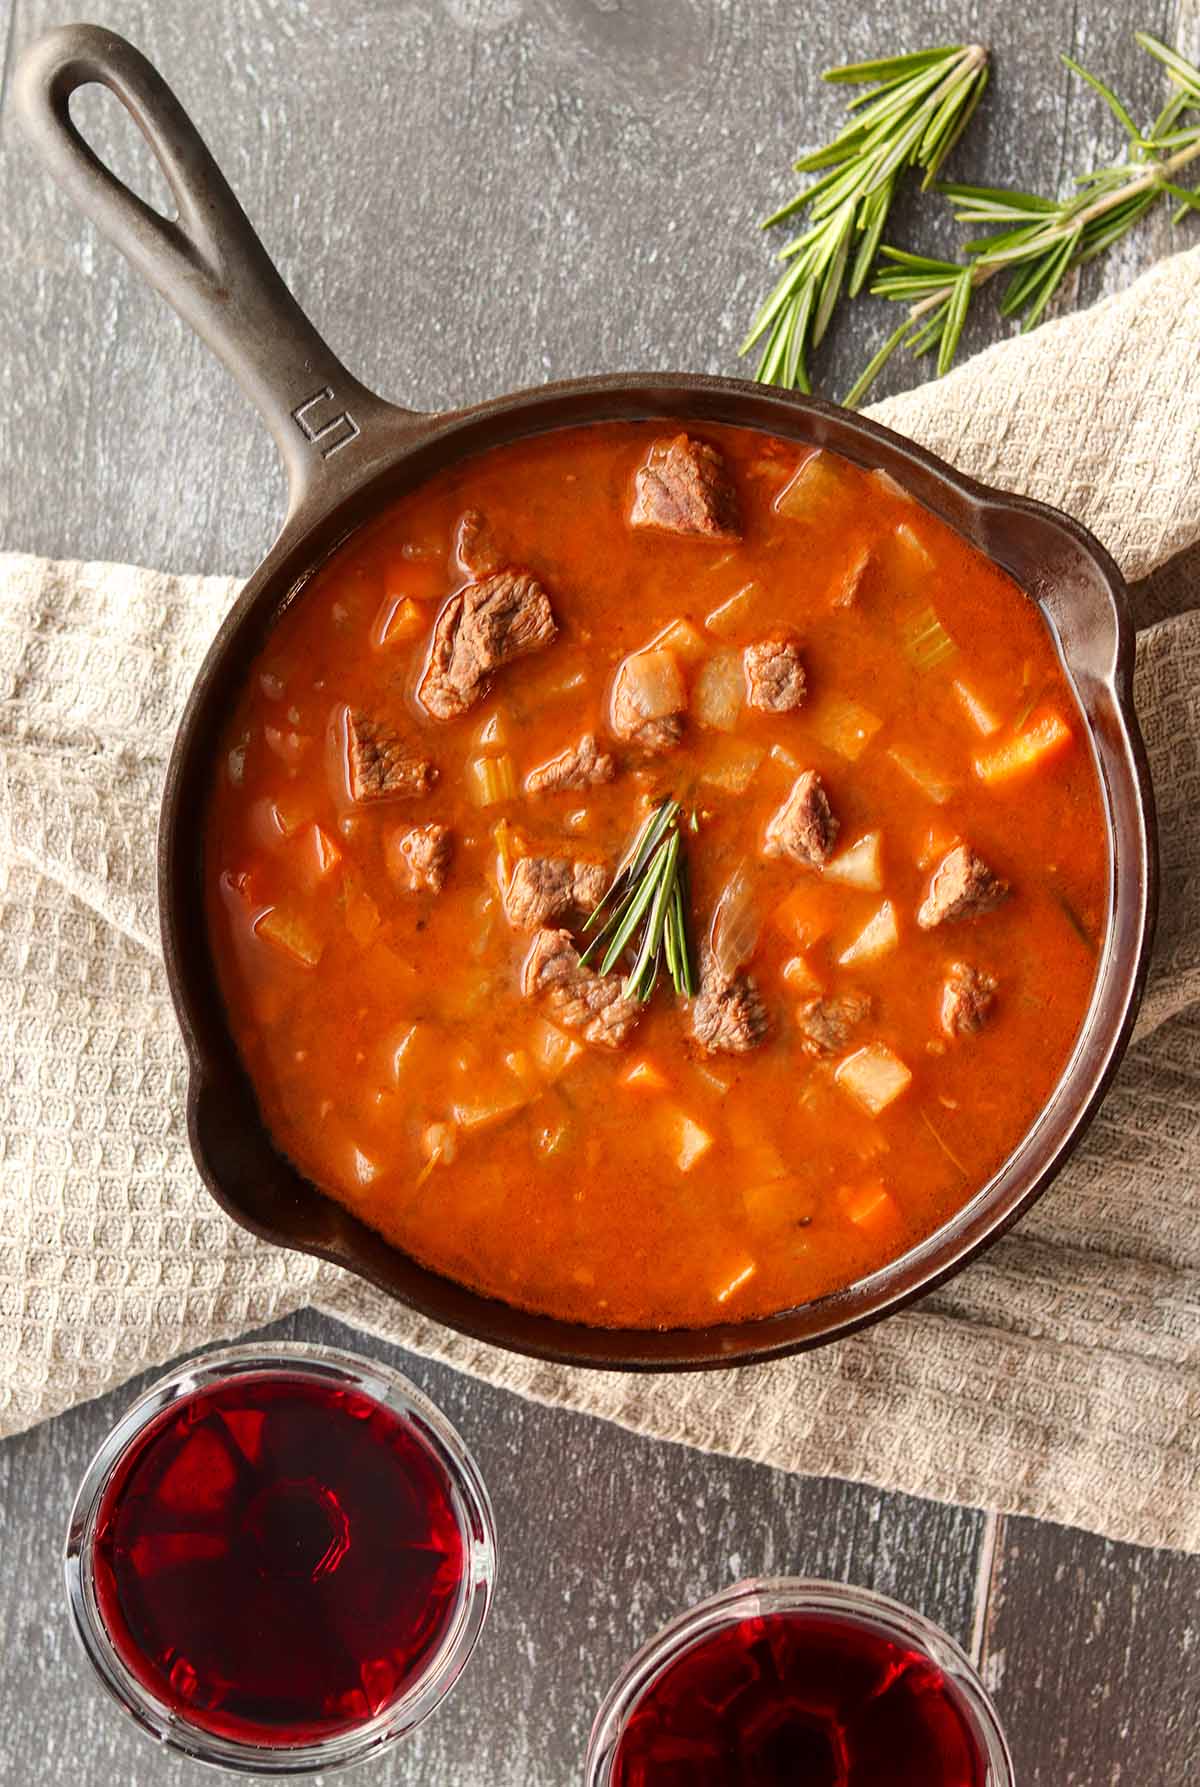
(799, 1700)
(278, 1559)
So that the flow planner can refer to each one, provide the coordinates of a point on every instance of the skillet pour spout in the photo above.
(346, 452)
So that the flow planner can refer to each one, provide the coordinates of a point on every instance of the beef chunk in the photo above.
(825, 1024)
(544, 887)
(581, 766)
(475, 546)
(729, 1016)
(967, 999)
(382, 766)
(578, 998)
(648, 699)
(419, 859)
(962, 885)
(804, 828)
(684, 488)
(481, 627)
(774, 675)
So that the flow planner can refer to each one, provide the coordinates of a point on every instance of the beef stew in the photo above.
(898, 864)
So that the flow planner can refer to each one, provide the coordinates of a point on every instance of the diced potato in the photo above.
(291, 933)
(806, 915)
(740, 1274)
(735, 615)
(687, 1140)
(732, 765)
(650, 684)
(800, 978)
(399, 620)
(820, 491)
(719, 691)
(683, 640)
(1046, 736)
(870, 1207)
(491, 781)
(787, 760)
(552, 1049)
(843, 725)
(859, 865)
(644, 1076)
(485, 1105)
(873, 1076)
(878, 937)
(778, 1202)
(976, 709)
(936, 786)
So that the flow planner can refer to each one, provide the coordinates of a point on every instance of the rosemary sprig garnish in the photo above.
(646, 908)
(1041, 240)
(914, 111)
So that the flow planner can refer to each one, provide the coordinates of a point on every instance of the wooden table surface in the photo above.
(468, 196)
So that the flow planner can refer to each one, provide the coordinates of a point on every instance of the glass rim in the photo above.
(472, 1507)
(758, 1595)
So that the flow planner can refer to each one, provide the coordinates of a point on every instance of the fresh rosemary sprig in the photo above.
(646, 907)
(1041, 240)
(914, 111)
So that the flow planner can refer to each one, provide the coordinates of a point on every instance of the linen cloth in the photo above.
(1057, 1376)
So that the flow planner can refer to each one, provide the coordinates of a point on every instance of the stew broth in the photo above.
(910, 933)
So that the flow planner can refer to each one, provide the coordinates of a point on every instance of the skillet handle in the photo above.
(208, 263)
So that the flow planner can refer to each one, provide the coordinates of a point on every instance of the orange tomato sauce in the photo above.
(396, 1060)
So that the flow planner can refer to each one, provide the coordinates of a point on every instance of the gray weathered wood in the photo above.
(471, 195)
(1091, 1651)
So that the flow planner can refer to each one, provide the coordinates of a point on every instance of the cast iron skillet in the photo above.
(346, 452)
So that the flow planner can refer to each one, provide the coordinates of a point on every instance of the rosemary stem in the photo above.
(1152, 175)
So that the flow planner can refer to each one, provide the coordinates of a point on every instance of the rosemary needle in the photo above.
(646, 908)
(1038, 241)
(912, 113)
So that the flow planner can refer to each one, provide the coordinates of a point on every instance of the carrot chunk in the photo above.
(806, 915)
(870, 1207)
(1047, 735)
(399, 620)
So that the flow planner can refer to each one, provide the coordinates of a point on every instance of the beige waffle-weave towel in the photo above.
(1057, 1376)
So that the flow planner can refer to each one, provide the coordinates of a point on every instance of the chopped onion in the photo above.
(736, 922)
